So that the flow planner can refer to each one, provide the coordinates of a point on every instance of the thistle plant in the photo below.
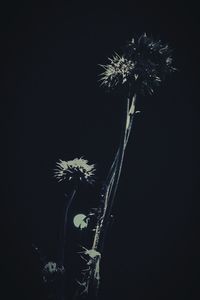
(76, 170)
(143, 65)
(140, 69)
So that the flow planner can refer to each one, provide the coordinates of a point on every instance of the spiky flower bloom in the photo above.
(144, 65)
(117, 72)
(76, 169)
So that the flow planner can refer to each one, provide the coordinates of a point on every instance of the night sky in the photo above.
(53, 107)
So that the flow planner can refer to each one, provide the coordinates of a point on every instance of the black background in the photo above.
(52, 107)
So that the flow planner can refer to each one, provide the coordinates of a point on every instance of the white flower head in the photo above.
(117, 71)
(77, 169)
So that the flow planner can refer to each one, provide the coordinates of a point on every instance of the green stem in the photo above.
(115, 170)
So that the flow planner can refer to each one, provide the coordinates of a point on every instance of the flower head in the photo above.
(144, 65)
(77, 169)
(51, 270)
(117, 72)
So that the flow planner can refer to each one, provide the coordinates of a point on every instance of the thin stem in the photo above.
(119, 161)
(64, 227)
(101, 219)
(112, 179)
(129, 121)
(116, 167)
(61, 257)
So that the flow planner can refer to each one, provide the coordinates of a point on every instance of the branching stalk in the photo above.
(116, 167)
(110, 187)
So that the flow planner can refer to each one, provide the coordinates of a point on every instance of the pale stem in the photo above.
(115, 170)
(63, 241)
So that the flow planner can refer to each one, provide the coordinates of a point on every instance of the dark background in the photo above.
(52, 107)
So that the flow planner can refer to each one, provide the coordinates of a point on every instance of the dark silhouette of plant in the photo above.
(140, 69)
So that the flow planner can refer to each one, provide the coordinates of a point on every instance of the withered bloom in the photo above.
(51, 270)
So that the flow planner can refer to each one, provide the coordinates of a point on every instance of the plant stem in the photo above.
(64, 227)
(112, 180)
(61, 257)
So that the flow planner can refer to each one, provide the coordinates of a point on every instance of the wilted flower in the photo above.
(144, 65)
(77, 169)
(50, 270)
